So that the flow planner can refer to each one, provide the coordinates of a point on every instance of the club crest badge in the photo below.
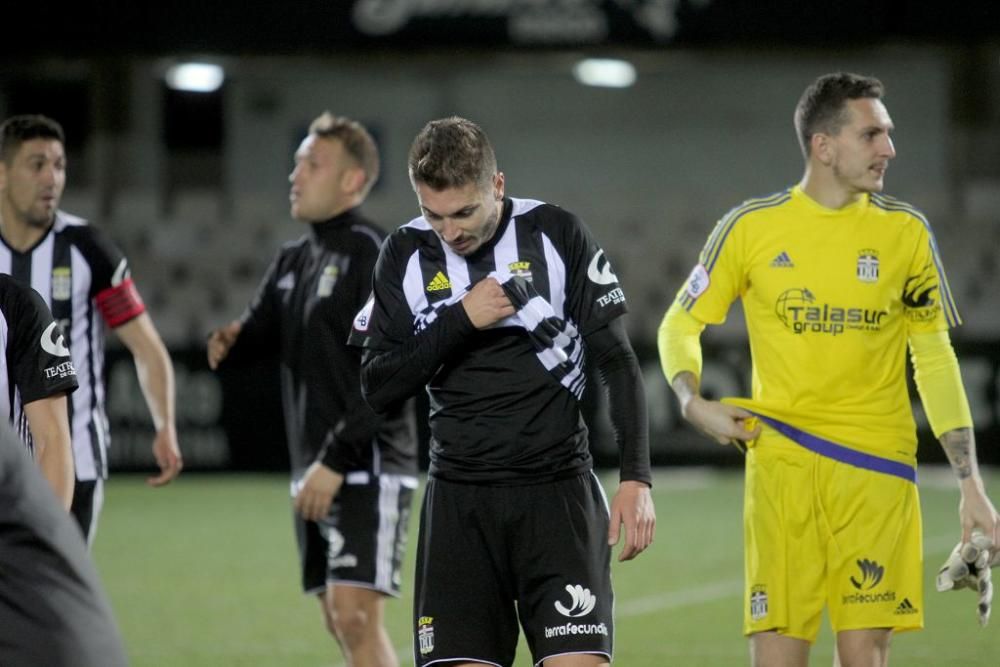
(868, 266)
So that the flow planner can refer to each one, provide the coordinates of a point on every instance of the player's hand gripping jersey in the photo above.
(830, 298)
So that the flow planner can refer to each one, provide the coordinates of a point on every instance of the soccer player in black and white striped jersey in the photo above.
(85, 281)
(496, 304)
(36, 376)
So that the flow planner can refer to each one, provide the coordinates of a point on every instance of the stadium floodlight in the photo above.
(195, 77)
(605, 72)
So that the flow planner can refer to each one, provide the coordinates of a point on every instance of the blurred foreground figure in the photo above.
(52, 609)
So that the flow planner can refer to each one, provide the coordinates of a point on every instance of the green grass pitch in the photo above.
(204, 573)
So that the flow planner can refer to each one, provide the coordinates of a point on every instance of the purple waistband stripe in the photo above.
(841, 453)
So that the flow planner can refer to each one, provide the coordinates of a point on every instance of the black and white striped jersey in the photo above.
(84, 280)
(505, 402)
(36, 362)
(302, 315)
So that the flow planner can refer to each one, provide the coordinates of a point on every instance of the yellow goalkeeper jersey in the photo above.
(830, 297)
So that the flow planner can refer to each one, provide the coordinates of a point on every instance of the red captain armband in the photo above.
(120, 303)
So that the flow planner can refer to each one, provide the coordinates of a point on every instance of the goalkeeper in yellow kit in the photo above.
(836, 280)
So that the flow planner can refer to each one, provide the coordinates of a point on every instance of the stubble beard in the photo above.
(27, 217)
(490, 229)
(40, 222)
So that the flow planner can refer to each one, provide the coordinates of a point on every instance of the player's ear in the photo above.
(353, 180)
(498, 186)
(821, 147)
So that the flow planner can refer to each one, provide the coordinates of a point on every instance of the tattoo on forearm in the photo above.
(959, 446)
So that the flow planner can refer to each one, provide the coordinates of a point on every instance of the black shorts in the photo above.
(490, 555)
(363, 540)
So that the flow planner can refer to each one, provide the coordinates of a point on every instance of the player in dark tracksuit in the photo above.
(496, 305)
(303, 312)
(353, 472)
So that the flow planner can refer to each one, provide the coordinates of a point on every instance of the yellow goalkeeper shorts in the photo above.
(820, 532)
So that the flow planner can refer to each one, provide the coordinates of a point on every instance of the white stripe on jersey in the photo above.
(557, 278)
(505, 251)
(87, 350)
(413, 285)
(41, 272)
(522, 206)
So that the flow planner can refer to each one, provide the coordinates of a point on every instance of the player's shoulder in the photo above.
(366, 234)
(553, 221)
(8, 282)
(520, 208)
(540, 212)
(10, 290)
(290, 251)
(898, 210)
(15, 294)
(758, 208)
(73, 226)
(86, 236)
(411, 235)
(294, 245)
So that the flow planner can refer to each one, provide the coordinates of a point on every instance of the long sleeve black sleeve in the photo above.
(341, 449)
(391, 376)
(609, 349)
(260, 333)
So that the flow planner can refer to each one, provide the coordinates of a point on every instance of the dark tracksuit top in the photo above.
(303, 312)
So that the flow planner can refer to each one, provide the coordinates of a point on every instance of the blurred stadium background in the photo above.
(193, 186)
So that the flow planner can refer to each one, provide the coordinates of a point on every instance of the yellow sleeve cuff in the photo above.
(679, 342)
(939, 382)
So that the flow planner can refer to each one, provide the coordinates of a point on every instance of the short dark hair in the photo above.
(18, 129)
(822, 106)
(356, 140)
(452, 152)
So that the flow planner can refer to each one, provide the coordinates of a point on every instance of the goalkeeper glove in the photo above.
(968, 566)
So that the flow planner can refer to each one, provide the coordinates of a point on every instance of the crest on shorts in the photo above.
(758, 602)
(425, 634)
